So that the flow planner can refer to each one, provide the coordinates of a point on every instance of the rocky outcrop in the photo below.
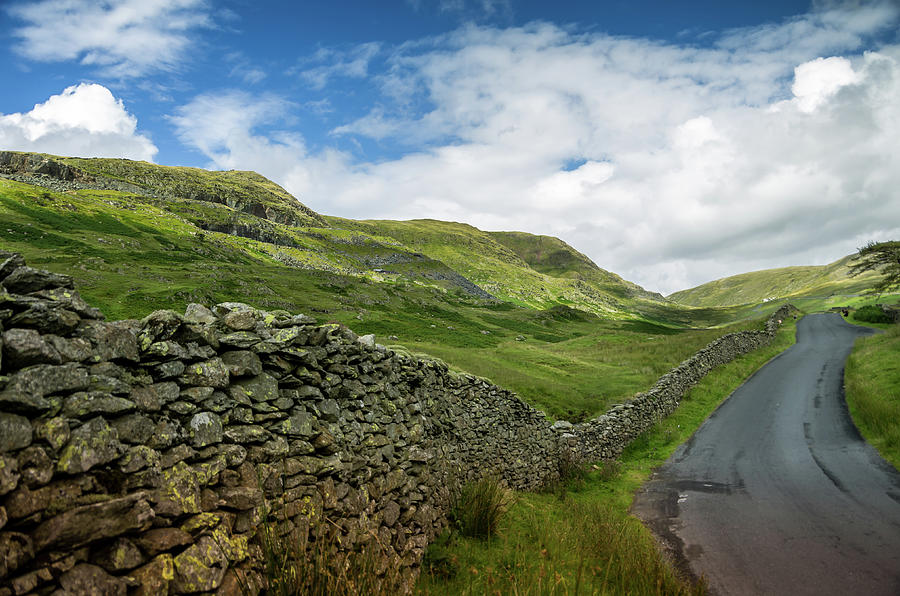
(145, 455)
(13, 162)
(246, 192)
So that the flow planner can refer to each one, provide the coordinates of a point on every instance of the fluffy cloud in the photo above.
(84, 120)
(330, 63)
(670, 165)
(122, 38)
(237, 130)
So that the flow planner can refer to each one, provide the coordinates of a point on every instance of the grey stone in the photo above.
(298, 425)
(26, 389)
(240, 339)
(70, 300)
(240, 320)
(159, 325)
(197, 313)
(197, 394)
(24, 280)
(201, 567)
(329, 410)
(88, 523)
(242, 363)
(247, 433)
(183, 408)
(10, 261)
(55, 431)
(166, 434)
(35, 467)
(76, 349)
(111, 341)
(139, 457)
(205, 429)
(168, 370)
(210, 373)
(120, 555)
(165, 350)
(391, 513)
(135, 429)
(223, 308)
(46, 319)
(146, 399)
(24, 347)
(261, 388)
(86, 404)
(167, 392)
(9, 475)
(16, 549)
(90, 579)
(15, 432)
(93, 443)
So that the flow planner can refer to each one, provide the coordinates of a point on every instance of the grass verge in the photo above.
(581, 539)
(872, 386)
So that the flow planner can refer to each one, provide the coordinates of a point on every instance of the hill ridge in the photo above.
(777, 283)
(245, 191)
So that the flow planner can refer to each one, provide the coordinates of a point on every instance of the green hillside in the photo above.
(528, 312)
(551, 256)
(507, 265)
(778, 284)
(243, 191)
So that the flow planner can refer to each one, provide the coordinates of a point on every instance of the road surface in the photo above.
(777, 493)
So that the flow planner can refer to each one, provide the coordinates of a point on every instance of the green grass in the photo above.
(872, 383)
(581, 539)
(787, 283)
(512, 267)
(246, 191)
(578, 377)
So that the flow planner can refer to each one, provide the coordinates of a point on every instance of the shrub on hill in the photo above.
(871, 314)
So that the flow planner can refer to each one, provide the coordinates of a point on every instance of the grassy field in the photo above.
(579, 538)
(872, 383)
(578, 376)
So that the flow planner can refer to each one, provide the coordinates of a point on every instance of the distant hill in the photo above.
(248, 216)
(777, 284)
(551, 256)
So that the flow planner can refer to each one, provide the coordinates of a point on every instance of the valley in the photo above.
(529, 313)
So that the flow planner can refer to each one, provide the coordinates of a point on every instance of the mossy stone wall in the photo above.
(142, 456)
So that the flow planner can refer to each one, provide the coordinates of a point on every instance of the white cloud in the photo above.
(234, 129)
(774, 146)
(816, 81)
(84, 120)
(122, 38)
(332, 63)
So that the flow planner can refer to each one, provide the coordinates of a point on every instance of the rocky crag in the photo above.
(143, 456)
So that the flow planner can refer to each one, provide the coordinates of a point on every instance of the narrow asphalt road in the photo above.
(777, 493)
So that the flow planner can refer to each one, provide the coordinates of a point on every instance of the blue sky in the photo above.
(672, 142)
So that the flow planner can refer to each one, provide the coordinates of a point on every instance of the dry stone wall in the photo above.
(141, 457)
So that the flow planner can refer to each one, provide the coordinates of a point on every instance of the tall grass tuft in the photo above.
(477, 511)
(872, 383)
(317, 563)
